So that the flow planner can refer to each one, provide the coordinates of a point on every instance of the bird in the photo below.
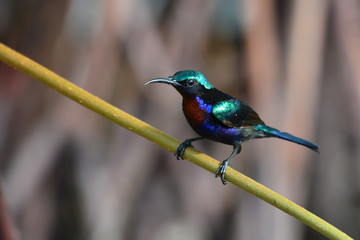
(217, 116)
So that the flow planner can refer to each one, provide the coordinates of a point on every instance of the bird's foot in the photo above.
(181, 149)
(222, 169)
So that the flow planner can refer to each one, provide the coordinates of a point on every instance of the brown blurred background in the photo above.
(67, 173)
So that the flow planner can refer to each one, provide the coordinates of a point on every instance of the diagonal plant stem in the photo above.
(160, 138)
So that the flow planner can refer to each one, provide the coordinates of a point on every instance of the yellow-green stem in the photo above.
(160, 138)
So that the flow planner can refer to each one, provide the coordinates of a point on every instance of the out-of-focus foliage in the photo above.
(66, 173)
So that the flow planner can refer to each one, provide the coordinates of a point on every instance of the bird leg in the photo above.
(181, 149)
(222, 168)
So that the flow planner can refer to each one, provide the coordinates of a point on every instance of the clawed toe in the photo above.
(221, 171)
(223, 166)
(181, 149)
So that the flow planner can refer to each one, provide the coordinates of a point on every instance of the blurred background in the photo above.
(67, 173)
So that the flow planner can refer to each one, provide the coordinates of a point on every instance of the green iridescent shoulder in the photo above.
(222, 110)
(187, 74)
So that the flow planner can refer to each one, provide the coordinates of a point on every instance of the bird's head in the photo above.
(187, 83)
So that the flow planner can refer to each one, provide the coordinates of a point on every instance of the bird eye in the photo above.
(190, 82)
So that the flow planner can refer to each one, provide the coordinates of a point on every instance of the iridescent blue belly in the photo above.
(201, 119)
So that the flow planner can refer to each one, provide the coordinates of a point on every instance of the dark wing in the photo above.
(234, 113)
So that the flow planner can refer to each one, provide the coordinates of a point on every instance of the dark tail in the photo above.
(272, 132)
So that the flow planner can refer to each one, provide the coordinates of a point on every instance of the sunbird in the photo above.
(219, 117)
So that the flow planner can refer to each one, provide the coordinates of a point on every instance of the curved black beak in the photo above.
(169, 81)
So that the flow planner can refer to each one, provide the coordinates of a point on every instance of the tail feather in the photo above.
(272, 132)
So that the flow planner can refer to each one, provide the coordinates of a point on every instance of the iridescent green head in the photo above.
(188, 82)
(191, 74)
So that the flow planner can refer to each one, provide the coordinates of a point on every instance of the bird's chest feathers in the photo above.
(196, 110)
